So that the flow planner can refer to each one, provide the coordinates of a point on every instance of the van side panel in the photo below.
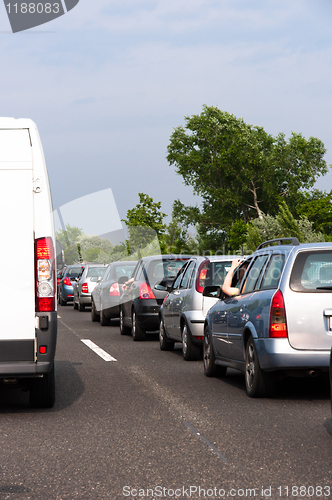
(17, 304)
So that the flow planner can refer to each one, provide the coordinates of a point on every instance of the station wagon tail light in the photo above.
(278, 325)
(145, 291)
(45, 275)
(201, 276)
(114, 290)
(85, 288)
(67, 282)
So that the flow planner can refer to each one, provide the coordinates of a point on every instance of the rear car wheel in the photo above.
(104, 321)
(190, 351)
(258, 382)
(164, 342)
(137, 331)
(42, 391)
(124, 330)
(94, 315)
(81, 307)
(209, 360)
(61, 301)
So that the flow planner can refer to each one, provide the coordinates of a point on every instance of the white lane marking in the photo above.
(98, 350)
(58, 316)
(206, 441)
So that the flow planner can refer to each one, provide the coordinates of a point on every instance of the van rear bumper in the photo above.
(24, 369)
(22, 358)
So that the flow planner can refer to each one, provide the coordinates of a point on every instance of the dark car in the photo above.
(106, 295)
(141, 301)
(66, 285)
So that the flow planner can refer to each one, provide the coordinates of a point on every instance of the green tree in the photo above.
(177, 239)
(240, 171)
(144, 222)
(317, 207)
(283, 225)
(69, 237)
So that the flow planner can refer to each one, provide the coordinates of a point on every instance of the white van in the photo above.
(28, 318)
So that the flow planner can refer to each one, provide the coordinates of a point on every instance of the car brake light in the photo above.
(145, 291)
(85, 288)
(278, 326)
(201, 276)
(114, 290)
(66, 281)
(45, 275)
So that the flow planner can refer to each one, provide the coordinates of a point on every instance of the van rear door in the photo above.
(17, 290)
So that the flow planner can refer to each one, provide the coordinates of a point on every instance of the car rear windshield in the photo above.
(215, 273)
(312, 272)
(160, 269)
(124, 271)
(95, 272)
(74, 273)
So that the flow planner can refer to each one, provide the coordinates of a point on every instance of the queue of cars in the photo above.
(278, 324)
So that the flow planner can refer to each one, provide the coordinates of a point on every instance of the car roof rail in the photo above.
(280, 241)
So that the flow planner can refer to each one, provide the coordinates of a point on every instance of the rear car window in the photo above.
(312, 272)
(74, 273)
(254, 273)
(273, 272)
(124, 271)
(160, 269)
(95, 272)
(213, 273)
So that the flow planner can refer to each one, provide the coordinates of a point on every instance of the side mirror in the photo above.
(164, 286)
(123, 280)
(95, 279)
(213, 291)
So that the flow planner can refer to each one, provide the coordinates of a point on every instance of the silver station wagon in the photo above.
(183, 312)
(280, 323)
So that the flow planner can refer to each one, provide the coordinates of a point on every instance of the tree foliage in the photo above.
(282, 225)
(239, 170)
(144, 222)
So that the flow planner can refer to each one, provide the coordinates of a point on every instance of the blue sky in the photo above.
(107, 82)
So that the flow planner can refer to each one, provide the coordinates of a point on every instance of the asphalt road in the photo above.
(150, 425)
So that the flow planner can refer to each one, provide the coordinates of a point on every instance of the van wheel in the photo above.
(164, 342)
(124, 330)
(81, 307)
(137, 331)
(258, 382)
(209, 360)
(104, 321)
(190, 351)
(42, 391)
(94, 315)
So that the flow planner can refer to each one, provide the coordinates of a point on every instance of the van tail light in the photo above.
(45, 275)
(201, 276)
(114, 290)
(145, 291)
(66, 281)
(85, 288)
(278, 325)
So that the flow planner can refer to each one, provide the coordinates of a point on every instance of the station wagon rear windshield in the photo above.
(312, 272)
